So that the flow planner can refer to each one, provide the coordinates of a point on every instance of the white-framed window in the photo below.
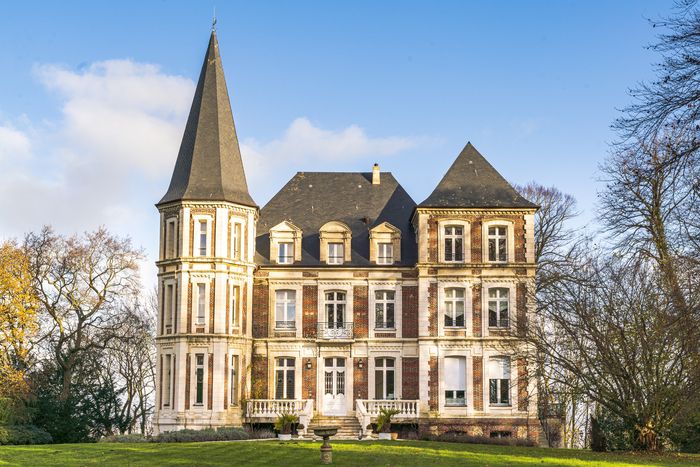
(336, 253)
(169, 307)
(284, 378)
(499, 381)
(199, 379)
(201, 303)
(498, 305)
(171, 238)
(454, 243)
(235, 304)
(233, 390)
(236, 239)
(454, 308)
(285, 309)
(498, 243)
(335, 309)
(385, 253)
(202, 234)
(167, 380)
(455, 381)
(384, 309)
(384, 375)
(285, 253)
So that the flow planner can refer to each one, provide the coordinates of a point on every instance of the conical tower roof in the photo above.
(209, 165)
(471, 182)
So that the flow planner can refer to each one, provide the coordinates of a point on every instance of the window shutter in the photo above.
(455, 369)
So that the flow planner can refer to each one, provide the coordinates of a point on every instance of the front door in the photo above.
(334, 386)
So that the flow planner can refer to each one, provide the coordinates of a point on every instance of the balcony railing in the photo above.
(368, 410)
(267, 410)
(335, 330)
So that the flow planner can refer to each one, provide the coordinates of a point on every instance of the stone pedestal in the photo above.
(326, 450)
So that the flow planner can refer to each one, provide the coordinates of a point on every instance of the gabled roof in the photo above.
(471, 182)
(311, 199)
(209, 165)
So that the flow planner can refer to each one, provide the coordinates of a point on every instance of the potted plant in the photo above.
(284, 426)
(384, 423)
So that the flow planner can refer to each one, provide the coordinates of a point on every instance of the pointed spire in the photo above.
(471, 182)
(209, 165)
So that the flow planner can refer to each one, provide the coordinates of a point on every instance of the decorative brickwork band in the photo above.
(476, 241)
(360, 305)
(309, 311)
(409, 378)
(476, 310)
(261, 307)
(522, 384)
(432, 309)
(360, 380)
(409, 313)
(478, 386)
(433, 386)
(187, 382)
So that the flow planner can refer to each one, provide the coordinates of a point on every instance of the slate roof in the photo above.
(209, 165)
(471, 182)
(310, 199)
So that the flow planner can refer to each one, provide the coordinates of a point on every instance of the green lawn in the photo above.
(365, 453)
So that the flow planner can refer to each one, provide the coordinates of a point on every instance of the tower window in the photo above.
(454, 240)
(201, 303)
(170, 239)
(497, 244)
(202, 238)
(199, 379)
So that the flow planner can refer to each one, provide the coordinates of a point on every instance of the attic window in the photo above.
(285, 243)
(385, 244)
(335, 240)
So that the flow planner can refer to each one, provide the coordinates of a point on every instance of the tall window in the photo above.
(499, 381)
(384, 309)
(167, 380)
(169, 305)
(385, 253)
(335, 309)
(497, 243)
(454, 236)
(233, 396)
(170, 243)
(454, 307)
(285, 309)
(235, 300)
(336, 253)
(284, 379)
(286, 253)
(202, 238)
(201, 303)
(236, 239)
(498, 308)
(199, 379)
(455, 381)
(384, 378)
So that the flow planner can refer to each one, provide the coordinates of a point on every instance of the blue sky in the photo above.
(95, 95)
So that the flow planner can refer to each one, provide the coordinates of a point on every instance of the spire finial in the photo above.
(213, 21)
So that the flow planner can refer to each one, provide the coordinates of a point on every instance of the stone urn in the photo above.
(326, 432)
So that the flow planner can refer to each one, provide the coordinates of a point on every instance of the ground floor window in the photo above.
(499, 381)
(455, 381)
(199, 379)
(284, 378)
(384, 378)
(233, 396)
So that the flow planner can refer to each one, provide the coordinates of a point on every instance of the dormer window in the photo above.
(385, 244)
(285, 253)
(385, 253)
(497, 237)
(336, 253)
(454, 243)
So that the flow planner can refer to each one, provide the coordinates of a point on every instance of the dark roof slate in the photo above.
(209, 165)
(471, 182)
(311, 199)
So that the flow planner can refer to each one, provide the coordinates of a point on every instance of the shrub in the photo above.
(129, 438)
(23, 434)
(255, 432)
(207, 434)
(285, 423)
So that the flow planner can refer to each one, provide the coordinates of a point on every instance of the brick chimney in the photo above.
(375, 174)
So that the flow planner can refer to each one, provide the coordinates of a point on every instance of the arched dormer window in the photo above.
(335, 240)
(285, 243)
(385, 244)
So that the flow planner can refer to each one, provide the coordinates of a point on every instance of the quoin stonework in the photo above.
(341, 295)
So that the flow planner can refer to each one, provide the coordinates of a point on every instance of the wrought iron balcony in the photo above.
(335, 330)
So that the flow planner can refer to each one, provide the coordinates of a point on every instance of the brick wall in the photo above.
(261, 308)
(476, 310)
(432, 239)
(522, 384)
(309, 310)
(409, 378)
(520, 306)
(409, 312)
(308, 379)
(360, 380)
(476, 240)
(433, 397)
(478, 383)
(360, 306)
(519, 237)
(259, 377)
(520, 428)
(432, 309)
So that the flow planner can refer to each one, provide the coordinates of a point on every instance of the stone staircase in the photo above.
(349, 426)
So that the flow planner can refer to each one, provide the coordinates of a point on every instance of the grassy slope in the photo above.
(413, 453)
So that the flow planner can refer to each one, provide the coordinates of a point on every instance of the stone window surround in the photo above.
(232, 355)
(285, 232)
(235, 315)
(193, 378)
(297, 287)
(384, 233)
(398, 364)
(467, 286)
(485, 286)
(197, 218)
(510, 240)
(234, 220)
(466, 240)
(335, 287)
(171, 220)
(173, 301)
(398, 306)
(335, 232)
(195, 281)
(169, 353)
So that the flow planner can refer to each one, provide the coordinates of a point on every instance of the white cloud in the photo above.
(13, 143)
